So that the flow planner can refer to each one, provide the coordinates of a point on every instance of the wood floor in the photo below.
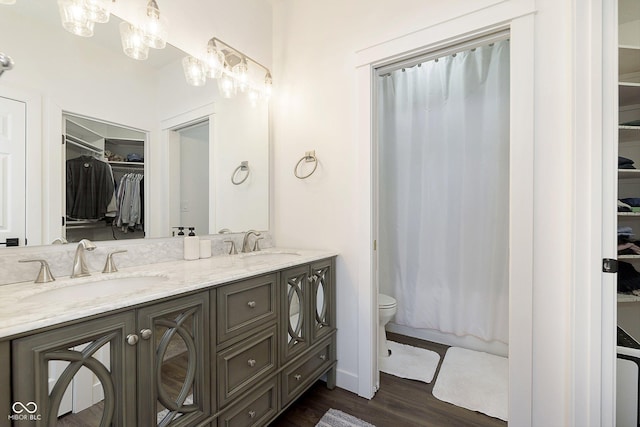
(398, 403)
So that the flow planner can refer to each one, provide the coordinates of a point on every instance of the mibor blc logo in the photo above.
(24, 412)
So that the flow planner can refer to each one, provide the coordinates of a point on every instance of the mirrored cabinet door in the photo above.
(77, 375)
(294, 288)
(173, 362)
(321, 296)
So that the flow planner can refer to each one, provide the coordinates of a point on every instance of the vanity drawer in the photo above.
(258, 408)
(246, 305)
(245, 363)
(299, 374)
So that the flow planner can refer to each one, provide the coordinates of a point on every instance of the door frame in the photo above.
(33, 160)
(469, 27)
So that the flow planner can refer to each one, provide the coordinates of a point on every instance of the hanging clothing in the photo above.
(130, 200)
(444, 193)
(89, 188)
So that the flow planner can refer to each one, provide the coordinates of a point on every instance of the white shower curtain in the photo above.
(444, 192)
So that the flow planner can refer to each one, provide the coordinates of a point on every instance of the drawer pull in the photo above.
(323, 357)
(251, 362)
(252, 304)
(297, 377)
(252, 414)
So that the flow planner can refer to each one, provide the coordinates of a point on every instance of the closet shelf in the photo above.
(628, 173)
(629, 214)
(628, 61)
(628, 298)
(628, 133)
(629, 257)
(127, 164)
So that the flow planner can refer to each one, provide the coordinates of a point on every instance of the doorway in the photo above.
(189, 171)
(441, 196)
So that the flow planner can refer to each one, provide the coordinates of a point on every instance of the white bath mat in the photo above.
(474, 380)
(410, 362)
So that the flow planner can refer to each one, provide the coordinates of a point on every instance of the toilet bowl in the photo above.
(387, 307)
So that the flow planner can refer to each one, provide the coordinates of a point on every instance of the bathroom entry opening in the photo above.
(441, 193)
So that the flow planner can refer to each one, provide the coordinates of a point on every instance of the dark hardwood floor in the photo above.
(398, 403)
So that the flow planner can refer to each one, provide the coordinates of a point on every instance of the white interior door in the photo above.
(12, 170)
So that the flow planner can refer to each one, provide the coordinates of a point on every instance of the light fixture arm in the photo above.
(216, 41)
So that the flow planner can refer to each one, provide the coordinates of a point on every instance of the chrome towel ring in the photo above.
(244, 166)
(309, 156)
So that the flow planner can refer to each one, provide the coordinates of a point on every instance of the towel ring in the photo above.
(309, 156)
(244, 166)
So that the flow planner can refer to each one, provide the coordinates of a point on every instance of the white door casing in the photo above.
(12, 170)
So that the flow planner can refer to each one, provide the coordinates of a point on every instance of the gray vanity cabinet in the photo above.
(151, 365)
(174, 362)
(308, 327)
(44, 365)
(308, 313)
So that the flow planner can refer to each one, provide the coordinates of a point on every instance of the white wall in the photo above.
(316, 107)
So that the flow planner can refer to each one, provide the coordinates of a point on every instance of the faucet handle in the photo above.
(44, 275)
(232, 249)
(109, 265)
(256, 244)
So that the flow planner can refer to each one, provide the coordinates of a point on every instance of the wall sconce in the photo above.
(75, 17)
(133, 43)
(233, 71)
(155, 27)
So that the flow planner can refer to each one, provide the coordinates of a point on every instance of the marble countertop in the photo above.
(27, 306)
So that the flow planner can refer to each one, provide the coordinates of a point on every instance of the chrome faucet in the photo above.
(80, 268)
(245, 241)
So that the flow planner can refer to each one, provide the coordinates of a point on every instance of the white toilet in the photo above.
(387, 307)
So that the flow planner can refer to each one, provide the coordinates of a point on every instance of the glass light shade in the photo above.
(214, 62)
(226, 84)
(241, 75)
(99, 10)
(75, 17)
(133, 43)
(268, 85)
(154, 26)
(7, 1)
(194, 71)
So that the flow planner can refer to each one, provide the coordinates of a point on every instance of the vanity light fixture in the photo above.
(133, 43)
(79, 16)
(231, 68)
(194, 71)
(99, 11)
(75, 17)
(154, 26)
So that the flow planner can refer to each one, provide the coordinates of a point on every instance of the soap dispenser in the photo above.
(191, 245)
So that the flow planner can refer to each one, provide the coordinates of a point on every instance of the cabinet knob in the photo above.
(252, 304)
(298, 377)
(145, 334)
(323, 357)
(132, 339)
(251, 362)
(252, 414)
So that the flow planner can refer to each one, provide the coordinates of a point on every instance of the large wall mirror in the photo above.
(195, 142)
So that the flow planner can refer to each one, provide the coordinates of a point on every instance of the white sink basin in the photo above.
(96, 288)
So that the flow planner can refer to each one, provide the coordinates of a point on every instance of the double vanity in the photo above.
(230, 340)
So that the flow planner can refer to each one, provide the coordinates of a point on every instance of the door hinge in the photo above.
(62, 139)
(62, 221)
(375, 245)
(609, 265)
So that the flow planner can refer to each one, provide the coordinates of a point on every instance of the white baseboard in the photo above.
(347, 380)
